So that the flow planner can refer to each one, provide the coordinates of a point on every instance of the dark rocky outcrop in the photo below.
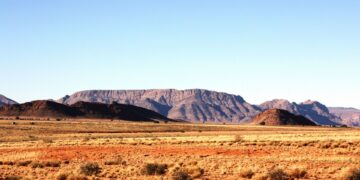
(81, 110)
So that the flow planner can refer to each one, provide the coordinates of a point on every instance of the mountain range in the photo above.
(194, 105)
(199, 105)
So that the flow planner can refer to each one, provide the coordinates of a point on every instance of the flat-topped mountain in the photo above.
(349, 116)
(198, 105)
(4, 100)
(312, 110)
(277, 117)
(81, 110)
(195, 105)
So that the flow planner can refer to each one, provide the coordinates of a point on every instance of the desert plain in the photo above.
(114, 149)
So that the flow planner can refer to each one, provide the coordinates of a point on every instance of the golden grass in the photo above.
(59, 149)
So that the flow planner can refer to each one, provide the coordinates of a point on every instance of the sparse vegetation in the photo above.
(298, 173)
(52, 163)
(246, 173)
(203, 152)
(117, 161)
(278, 174)
(37, 165)
(352, 174)
(24, 163)
(181, 175)
(154, 169)
(90, 169)
(13, 177)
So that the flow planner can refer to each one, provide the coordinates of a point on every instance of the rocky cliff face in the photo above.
(312, 110)
(349, 116)
(4, 100)
(194, 105)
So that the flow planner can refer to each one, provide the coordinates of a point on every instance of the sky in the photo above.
(258, 49)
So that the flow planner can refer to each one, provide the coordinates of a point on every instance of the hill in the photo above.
(81, 110)
(4, 100)
(277, 117)
(312, 110)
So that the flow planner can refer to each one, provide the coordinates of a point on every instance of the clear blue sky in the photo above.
(259, 49)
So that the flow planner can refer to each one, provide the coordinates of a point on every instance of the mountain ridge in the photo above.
(4, 100)
(349, 116)
(45, 108)
(201, 105)
(196, 105)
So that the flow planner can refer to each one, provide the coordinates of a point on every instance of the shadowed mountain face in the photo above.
(312, 110)
(349, 116)
(191, 105)
(4, 100)
(276, 117)
(81, 110)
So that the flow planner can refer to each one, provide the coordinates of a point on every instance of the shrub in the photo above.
(12, 177)
(47, 140)
(277, 174)
(352, 174)
(181, 175)
(62, 176)
(24, 163)
(9, 163)
(115, 162)
(52, 164)
(246, 173)
(238, 138)
(298, 173)
(154, 169)
(90, 169)
(195, 172)
(33, 138)
(37, 165)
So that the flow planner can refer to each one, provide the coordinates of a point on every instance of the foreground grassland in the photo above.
(90, 149)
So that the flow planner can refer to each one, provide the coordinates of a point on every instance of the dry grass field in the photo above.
(104, 149)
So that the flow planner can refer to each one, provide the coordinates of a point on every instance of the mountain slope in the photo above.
(191, 105)
(312, 110)
(81, 110)
(349, 116)
(4, 100)
(277, 117)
